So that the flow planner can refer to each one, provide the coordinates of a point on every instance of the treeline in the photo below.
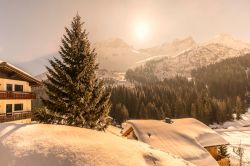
(143, 74)
(228, 78)
(212, 95)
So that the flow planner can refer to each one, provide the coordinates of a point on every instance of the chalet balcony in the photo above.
(15, 116)
(16, 95)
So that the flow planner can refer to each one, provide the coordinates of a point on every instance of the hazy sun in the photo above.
(141, 30)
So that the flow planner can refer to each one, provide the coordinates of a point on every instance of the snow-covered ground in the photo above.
(237, 132)
(237, 137)
(243, 122)
(58, 145)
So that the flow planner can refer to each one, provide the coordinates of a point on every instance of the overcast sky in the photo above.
(33, 28)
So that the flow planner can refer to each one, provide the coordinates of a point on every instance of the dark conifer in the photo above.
(223, 151)
(75, 95)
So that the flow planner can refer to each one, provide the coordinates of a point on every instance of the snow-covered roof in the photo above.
(21, 73)
(184, 137)
(58, 145)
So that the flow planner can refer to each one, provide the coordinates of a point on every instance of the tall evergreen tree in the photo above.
(75, 95)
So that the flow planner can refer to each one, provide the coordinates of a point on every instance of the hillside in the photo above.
(217, 49)
(116, 55)
(171, 48)
(211, 95)
(229, 41)
(40, 144)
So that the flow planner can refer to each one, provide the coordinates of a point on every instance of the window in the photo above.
(18, 107)
(9, 87)
(19, 88)
(8, 108)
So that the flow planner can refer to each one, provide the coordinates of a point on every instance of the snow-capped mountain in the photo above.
(171, 48)
(177, 57)
(219, 48)
(229, 41)
(117, 55)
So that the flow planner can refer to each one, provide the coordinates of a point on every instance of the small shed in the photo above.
(188, 138)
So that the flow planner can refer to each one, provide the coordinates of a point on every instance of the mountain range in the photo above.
(177, 57)
(197, 55)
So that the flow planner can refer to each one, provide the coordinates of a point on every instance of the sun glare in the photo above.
(141, 30)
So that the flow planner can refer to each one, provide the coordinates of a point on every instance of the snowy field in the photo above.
(58, 145)
(236, 137)
(237, 132)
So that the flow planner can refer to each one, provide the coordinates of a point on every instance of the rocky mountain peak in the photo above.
(229, 41)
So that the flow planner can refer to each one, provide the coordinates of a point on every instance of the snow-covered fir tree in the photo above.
(75, 95)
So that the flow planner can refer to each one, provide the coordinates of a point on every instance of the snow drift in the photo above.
(55, 145)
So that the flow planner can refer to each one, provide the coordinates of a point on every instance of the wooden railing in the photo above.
(15, 116)
(16, 95)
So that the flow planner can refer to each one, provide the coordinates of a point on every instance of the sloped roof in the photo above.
(185, 137)
(9, 67)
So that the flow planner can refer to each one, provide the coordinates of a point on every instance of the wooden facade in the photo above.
(213, 150)
(15, 93)
(224, 162)
(4, 117)
(5, 95)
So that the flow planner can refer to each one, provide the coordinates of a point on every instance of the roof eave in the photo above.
(30, 79)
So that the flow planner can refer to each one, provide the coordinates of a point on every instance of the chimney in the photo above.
(168, 120)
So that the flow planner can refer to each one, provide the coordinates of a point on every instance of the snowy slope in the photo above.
(57, 145)
(116, 55)
(171, 48)
(229, 41)
(217, 49)
(237, 132)
(236, 137)
(243, 122)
